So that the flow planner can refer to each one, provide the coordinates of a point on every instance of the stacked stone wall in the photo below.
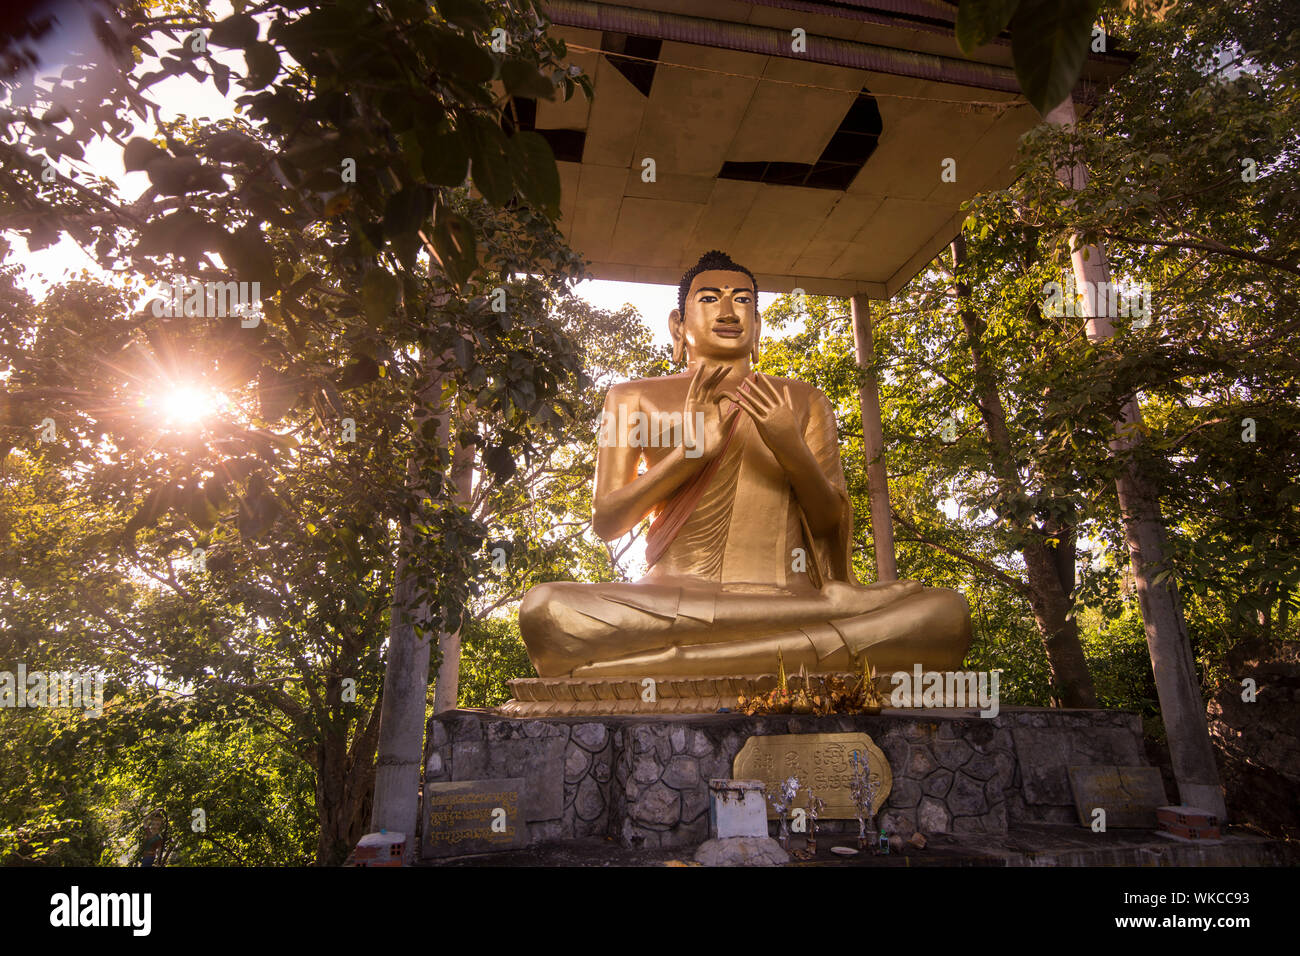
(644, 780)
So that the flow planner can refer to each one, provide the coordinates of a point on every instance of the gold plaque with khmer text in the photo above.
(822, 762)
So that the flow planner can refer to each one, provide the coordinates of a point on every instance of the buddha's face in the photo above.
(721, 321)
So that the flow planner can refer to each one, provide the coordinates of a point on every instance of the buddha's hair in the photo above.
(713, 259)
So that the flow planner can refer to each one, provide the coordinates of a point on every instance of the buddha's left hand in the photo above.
(774, 415)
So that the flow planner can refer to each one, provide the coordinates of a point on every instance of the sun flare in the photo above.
(187, 405)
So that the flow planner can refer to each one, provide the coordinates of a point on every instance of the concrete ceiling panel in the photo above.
(719, 105)
(793, 123)
(615, 119)
(720, 223)
(651, 230)
(989, 164)
(897, 228)
(811, 266)
(593, 224)
(771, 242)
(918, 134)
(848, 216)
(828, 249)
(600, 196)
(570, 173)
(696, 189)
(693, 115)
(602, 182)
(935, 245)
(795, 202)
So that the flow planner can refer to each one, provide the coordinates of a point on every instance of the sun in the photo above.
(188, 406)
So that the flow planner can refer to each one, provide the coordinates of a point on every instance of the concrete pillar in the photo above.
(401, 724)
(1179, 692)
(882, 527)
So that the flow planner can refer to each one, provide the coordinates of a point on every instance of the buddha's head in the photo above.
(717, 311)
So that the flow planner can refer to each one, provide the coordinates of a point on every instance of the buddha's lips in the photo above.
(729, 331)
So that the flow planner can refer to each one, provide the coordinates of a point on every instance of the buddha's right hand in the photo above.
(704, 424)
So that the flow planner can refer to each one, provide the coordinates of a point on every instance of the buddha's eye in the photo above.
(705, 297)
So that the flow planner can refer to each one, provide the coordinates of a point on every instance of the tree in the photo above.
(338, 191)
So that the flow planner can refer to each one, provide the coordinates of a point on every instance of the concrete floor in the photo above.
(1029, 845)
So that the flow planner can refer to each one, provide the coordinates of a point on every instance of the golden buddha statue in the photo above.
(749, 551)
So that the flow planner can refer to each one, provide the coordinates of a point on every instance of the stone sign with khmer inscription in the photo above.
(822, 762)
(473, 816)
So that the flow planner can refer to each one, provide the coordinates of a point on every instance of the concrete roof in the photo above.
(704, 83)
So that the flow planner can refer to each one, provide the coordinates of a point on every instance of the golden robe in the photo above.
(741, 576)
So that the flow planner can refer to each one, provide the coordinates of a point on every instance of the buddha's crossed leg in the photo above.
(634, 630)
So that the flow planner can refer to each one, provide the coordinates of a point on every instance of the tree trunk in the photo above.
(345, 777)
(873, 443)
(1181, 704)
(446, 689)
(406, 677)
(1049, 595)
(335, 837)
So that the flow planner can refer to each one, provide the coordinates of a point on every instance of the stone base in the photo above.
(576, 696)
(742, 851)
(644, 779)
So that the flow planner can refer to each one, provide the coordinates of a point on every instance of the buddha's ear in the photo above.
(675, 329)
(758, 334)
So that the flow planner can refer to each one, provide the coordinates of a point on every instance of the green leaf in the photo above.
(251, 257)
(454, 246)
(263, 64)
(500, 462)
(462, 59)
(201, 512)
(154, 504)
(489, 166)
(444, 159)
(276, 394)
(362, 370)
(220, 77)
(173, 175)
(980, 21)
(406, 211)
(522, 78)
(378, 295)
(184, 234)
(1049, 42)
(237, 31)
(535, 172)
(139, 153)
